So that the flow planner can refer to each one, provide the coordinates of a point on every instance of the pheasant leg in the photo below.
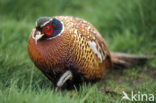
(66, 76)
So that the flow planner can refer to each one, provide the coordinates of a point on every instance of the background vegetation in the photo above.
(126, 25)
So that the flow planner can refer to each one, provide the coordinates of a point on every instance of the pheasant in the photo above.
(70, 51)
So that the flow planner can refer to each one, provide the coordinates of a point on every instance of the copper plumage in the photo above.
(78, 47)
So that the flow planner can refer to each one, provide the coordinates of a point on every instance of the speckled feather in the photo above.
(80, 45)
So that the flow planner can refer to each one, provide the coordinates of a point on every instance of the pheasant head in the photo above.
(47, 28)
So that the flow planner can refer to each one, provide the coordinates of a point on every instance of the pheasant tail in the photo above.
(120, 60)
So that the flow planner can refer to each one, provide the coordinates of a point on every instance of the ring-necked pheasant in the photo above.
(70, 50)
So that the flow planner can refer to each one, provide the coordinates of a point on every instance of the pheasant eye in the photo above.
(47, 30)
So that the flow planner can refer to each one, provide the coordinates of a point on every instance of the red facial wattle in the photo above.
(48, 30)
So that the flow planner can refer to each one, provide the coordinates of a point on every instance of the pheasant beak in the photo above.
(38, 36)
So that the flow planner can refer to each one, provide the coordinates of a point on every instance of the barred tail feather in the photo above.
(120, 60)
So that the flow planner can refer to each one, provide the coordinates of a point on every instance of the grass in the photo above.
(127, 26)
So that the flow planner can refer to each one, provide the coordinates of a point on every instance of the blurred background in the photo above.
(126, 25)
